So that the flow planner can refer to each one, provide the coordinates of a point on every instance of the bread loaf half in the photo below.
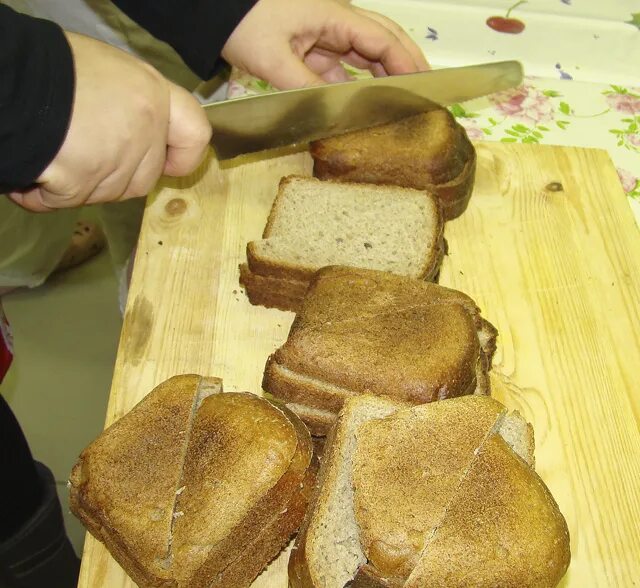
(195, 488)
(442, 494)
(428, 151)
(313, 224)
(361, 331)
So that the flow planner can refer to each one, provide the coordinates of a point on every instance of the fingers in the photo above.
(188, 134)
(407, 42)
(377, 43)
(327, 66)
(290, 71)
(30, 200)
(147, 173)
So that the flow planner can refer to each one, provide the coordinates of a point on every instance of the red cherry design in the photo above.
(504, 24)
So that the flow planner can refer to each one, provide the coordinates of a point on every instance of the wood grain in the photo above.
(549, 250)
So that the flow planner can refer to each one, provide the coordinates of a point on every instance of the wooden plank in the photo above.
(549, 250)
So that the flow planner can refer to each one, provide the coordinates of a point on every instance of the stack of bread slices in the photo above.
(379, 200)
(425, 480)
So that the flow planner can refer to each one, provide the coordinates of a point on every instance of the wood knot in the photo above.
(176, 206)
(554, 187)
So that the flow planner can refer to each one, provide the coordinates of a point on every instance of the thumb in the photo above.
(290, 72)
(188, 133)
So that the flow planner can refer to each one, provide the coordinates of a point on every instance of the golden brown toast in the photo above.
(367, 331)
(428, 151)
(394, 478)
(195, 488)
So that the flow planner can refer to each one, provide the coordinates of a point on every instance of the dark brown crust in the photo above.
(448, 172)
(268, 526)
(248, 548)
(317, 423)
(109, 536)
(307, 370)
(310, 392)
(272, 292)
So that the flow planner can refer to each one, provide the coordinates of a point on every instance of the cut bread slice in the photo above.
(193, 488)
(368, 331)
(327, 551)
(502, 529)
(313, 224)
(389, 481)
(272, 292)
(421, 478)
(428, 151)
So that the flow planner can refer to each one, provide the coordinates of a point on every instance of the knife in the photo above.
(266, 121)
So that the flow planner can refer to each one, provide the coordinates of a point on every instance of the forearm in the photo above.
(196, 29)
(36, 96)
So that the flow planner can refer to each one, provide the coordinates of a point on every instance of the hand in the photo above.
(296, 43)
(129, 125)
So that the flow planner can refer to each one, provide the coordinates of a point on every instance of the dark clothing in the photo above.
(196, 29)
(36, 96)
(20, 491)
(37, 75)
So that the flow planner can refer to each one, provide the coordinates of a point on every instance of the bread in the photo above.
(195, 488)
(363, 331)
(313, 224)
(432, 495)
(428, 151)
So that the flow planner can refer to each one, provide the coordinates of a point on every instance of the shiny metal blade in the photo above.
(267, 121)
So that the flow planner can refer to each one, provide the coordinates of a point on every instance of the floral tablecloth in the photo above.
(582, 65)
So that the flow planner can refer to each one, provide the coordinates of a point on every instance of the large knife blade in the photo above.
(266, 121)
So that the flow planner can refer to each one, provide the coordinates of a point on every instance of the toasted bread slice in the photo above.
(503, 528)
(313, 224)
(272, 292)
(393, 477)
(428, 151)
(327, 551)
(194, 488)
(421, 478)
(366, 331)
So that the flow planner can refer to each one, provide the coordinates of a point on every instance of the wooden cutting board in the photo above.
(549, 250)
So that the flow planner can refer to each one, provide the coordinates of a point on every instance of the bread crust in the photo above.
(501, 526)
(272, 292)
(282, 284)
(300, 572)
(420, 477)
(503, 529)
(358, 329)
(238, 556)
(428, 151)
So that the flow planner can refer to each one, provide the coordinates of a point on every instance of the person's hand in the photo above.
(129, 125)
(297, 43)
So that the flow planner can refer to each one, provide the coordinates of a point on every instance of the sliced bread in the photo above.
(313, 224)
(363, 331)
(194, 488)
(428, 151)
(394, 477)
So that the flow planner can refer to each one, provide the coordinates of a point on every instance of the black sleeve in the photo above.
(196, 29)
(36, 96)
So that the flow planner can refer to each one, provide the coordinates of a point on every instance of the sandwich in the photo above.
(428, 151)
(194, 487)
(313, 224)
(365, 331)
(441, 495)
